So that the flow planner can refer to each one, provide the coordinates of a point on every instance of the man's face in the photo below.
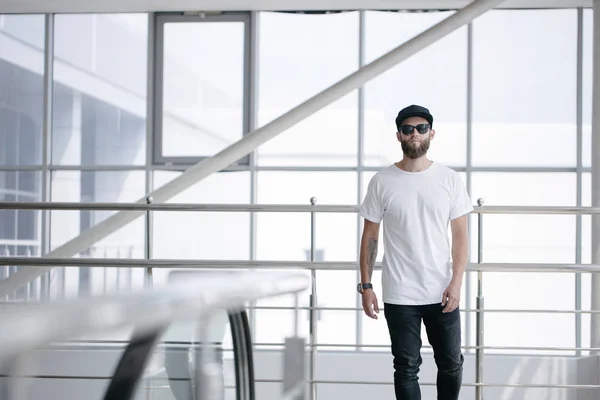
(415, 144)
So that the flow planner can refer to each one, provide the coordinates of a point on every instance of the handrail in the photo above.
(213, 207)
(144, 309)
(23, 261)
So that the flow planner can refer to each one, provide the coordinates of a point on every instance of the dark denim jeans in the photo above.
(444, 334)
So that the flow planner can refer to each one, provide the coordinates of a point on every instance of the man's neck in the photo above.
(414, 164)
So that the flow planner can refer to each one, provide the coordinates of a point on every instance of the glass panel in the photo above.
(586, 233)
(297, 63)
(525, 189)
(337, 327)
(126, 242)
(525, 114)
(586, 305)
(203, 87)
(333, 327)
(20, 229)
(435, 77)
(26, 28)
(588, 40)
(586, 280)
(525, 238)
(286, 236)
(521, 238)
(169, 372)
(99, 114)
(298, 187)
(22, 89)
(203, 235)
(586, 189)
(273, 326)
(586, 258)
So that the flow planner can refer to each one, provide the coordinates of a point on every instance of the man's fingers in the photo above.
(373, 309)
(371, 314)
(370, 306)
(444, 297)
(451, 306)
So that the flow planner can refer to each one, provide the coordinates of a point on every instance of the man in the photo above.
(416, 199)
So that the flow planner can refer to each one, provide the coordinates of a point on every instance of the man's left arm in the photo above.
(460, 251)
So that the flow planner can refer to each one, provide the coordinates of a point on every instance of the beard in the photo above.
(412, 151)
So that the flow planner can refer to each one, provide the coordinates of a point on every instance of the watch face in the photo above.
(359, 288)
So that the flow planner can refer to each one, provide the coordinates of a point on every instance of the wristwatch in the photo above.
(361, 287)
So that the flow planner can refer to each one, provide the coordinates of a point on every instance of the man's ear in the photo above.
(431, 134)
(398, 136)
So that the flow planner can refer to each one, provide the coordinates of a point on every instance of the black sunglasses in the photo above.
(409, 129)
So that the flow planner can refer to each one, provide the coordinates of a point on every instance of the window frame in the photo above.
(156, 80)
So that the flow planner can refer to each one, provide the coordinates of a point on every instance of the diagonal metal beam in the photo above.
(257, 137)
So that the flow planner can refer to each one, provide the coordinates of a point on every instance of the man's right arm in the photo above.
(368, 250)
(368, 255)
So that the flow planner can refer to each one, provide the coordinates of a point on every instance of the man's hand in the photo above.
(369, 302)
(451, 297)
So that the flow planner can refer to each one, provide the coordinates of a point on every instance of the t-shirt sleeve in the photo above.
(461, 202)
(372, 205)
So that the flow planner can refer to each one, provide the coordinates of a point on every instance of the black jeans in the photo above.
(444, 334)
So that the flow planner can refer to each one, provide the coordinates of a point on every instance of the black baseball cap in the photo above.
(413, 111)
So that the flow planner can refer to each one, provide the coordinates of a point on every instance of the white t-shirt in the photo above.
(416, 209)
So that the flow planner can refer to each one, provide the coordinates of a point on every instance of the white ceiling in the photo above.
(81, 6)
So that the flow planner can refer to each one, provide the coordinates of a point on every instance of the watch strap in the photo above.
(363, 286)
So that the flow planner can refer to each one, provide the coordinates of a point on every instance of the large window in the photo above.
(201, 104)
(435, 77)
(524, 96)
(203, 235)
(20, 228)
(22, 88)
(21, 126)
(588, 38)
(527, 239)
(295, 64)
(99, 90)
(126, 242)
(98, 122)
(287, 236)
(216, 77)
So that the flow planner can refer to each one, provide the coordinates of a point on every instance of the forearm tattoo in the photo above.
(372, 255)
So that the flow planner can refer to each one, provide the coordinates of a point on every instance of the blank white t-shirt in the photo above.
(416, 209)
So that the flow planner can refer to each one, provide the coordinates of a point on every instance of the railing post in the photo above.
(313, 304)
(31, 288)
(8, 271)
(149, 280)
(479, 324)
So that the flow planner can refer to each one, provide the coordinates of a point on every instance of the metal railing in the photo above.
(480, 267)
